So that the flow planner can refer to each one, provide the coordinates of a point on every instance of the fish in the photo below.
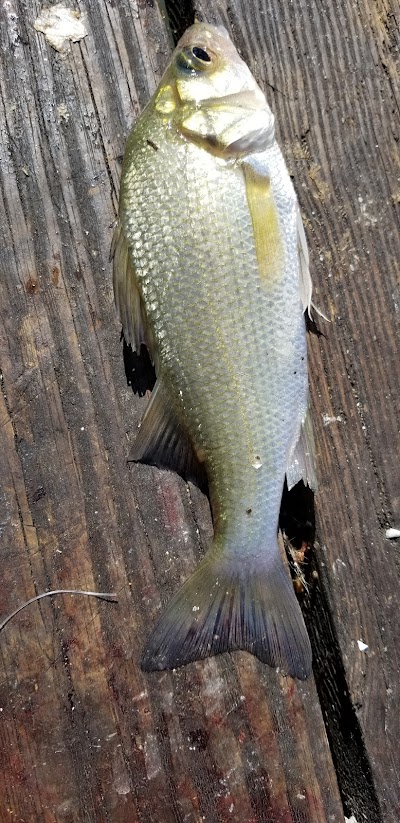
(211, 273)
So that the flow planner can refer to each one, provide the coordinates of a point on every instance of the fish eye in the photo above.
(201, 54)
(193, 60)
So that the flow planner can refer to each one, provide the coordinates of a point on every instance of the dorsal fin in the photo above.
(304, 264)
(304, 267)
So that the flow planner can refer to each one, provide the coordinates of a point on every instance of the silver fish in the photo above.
(211, 273)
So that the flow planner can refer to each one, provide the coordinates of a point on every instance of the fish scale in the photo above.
(214, 259)
(242, 327)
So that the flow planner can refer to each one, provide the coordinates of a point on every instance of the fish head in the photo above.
(212, 98)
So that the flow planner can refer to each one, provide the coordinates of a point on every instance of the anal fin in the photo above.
(301, 465)
(163, 441)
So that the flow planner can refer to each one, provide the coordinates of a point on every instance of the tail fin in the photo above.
(221, 608)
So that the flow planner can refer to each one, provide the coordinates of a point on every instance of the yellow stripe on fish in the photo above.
(266, 228)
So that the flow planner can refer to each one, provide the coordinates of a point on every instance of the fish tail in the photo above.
(225, 606)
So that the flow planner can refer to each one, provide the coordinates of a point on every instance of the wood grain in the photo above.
(331, 72)
(84, 734)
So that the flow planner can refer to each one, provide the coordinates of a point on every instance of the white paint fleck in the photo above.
(140, 696)
(392, 534)
(336, 563)
(60, 26)
(63, 113)
(12, 20)
(121, 783)
(365, 208)
(214, 689)
(257, 463)
(351, 819)
(65, 806)
(327, 419)
(362, 646)
(151, 756)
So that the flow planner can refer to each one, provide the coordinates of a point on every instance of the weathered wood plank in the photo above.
(332, 71)
(85, 736)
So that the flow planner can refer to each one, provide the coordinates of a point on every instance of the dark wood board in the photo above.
(332, 75)
(84, 734)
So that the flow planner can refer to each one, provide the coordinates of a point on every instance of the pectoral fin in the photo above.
(301, 464)
(162, 440)
(128, 298)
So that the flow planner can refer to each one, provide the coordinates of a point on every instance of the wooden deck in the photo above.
(85, 736)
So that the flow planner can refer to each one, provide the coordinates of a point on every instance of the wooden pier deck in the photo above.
(85, 736)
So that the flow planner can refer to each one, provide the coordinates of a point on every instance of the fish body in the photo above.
(211, 272)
